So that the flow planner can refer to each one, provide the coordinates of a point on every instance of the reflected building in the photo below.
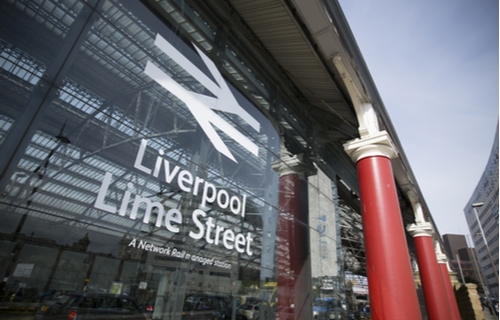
(486, 192)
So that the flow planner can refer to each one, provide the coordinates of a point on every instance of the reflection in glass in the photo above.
(101, 201)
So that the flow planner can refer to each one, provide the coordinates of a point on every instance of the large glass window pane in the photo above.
(32, 32)
(161, 192)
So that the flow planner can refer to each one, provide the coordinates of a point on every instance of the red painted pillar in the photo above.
(393, 295)
(294, 269)
(450, 293)
(430, 274)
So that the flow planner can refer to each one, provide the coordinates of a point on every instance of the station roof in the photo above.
(303, 36)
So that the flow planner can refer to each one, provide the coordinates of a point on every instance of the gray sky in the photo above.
(435, 65)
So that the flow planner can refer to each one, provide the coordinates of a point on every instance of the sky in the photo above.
(435, 65)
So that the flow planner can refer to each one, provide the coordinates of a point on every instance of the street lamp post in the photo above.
(474, 206)
(480, 275)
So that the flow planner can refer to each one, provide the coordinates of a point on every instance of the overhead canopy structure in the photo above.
(301, 38)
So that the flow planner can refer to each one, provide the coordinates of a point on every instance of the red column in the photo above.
(450, 293)
(430, 274)
(294, 270)
(393, 295)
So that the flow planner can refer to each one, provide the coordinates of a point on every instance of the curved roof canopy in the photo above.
(302, 37)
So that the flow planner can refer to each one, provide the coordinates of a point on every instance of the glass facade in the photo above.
(139, 174)
(486, 192)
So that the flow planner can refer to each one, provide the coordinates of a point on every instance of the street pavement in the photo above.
(488, 315)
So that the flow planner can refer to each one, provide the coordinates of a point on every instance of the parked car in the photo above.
(91, 307)
(203, 306)
(250, 310)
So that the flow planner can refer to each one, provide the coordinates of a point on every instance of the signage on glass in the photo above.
(202, 106)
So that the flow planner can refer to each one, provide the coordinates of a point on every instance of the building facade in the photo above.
(460, 256)
(463, 259)
(484, 226)
(453, 243)
(176, 159)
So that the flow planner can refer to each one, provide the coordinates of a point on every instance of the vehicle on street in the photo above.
(203, 306)
(250, 310)
(91, 306)
(268, 293)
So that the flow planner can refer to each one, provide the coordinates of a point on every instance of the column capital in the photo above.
(377, 144)
(420, 230)
(440, 255)
(289, 164)
(441, 258)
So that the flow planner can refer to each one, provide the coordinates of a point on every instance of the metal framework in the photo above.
(119, 122)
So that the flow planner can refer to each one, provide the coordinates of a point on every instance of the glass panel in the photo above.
(32, 33)
(134, 187)
(148, 176)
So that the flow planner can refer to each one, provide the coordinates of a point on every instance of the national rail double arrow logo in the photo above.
(202, 106)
